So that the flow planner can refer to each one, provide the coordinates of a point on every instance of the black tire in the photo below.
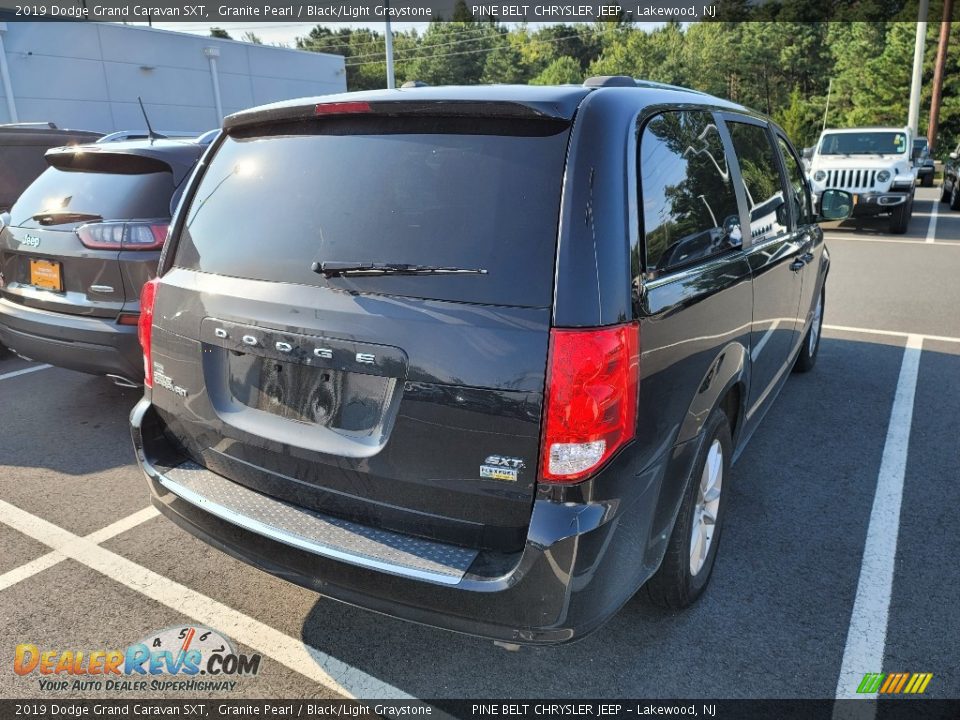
(810, 347)
(674, 585)
(927, 181)
(955, 195)
(900, 218)
(944, 195)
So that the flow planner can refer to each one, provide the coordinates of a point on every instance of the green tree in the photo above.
(561, 71)
(505, 62)
(453, 53)
(219, 32)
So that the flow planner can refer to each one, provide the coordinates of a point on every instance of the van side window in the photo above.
(689, 204)
(798, 184)
(761, 179)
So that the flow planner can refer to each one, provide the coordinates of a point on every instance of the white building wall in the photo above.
(88, 76)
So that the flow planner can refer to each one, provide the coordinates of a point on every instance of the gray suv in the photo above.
(78, 245)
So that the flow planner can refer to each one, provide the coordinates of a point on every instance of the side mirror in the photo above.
(808, 153)
(4, 220)
(953, 156)
(835, 205)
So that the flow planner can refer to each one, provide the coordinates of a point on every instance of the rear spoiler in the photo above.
(399, 108)
(126, 161)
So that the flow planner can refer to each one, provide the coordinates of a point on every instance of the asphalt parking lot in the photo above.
(838, 558)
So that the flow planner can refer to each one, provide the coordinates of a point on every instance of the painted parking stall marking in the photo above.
(932, 226)
(55, 556)
(866, 637)
(17, 373)
(333, 674)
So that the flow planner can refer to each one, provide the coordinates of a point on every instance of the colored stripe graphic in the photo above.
(894, 683)
(870, 683)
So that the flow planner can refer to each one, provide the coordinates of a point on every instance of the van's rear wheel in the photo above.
(944, 193)
(807, 357)
(955, 195)
(692, 550)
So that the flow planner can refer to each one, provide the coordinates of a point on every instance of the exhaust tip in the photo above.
(123, 382)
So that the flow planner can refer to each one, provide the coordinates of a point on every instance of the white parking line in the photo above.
(15, 373)
(866, 637)
(891, 333)
(932, 226)
(333, 674)
(12, 577)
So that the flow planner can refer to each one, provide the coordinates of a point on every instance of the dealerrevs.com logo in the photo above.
(182, 658)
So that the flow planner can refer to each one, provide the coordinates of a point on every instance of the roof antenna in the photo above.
(151, 133)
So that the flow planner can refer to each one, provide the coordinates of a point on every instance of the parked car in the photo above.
(875, 165)
(456, 371)
(22, 146)
(950, 189)
(77, 247)
(923, 163)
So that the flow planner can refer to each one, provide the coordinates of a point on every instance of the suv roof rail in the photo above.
(598, 81)
(39, 125)
(415, 83)
(121, 135)
(667, 86)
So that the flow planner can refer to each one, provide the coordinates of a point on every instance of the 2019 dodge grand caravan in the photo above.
(478, 357)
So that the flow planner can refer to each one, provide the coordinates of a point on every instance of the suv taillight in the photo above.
(123, 235)
(148, 296)
(591, 400)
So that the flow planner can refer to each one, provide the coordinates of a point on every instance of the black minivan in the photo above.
(478, 357)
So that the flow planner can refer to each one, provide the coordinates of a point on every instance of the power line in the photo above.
(482, 32)
(478, 38)
(474, 52)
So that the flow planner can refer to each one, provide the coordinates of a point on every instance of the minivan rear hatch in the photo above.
(356, 314)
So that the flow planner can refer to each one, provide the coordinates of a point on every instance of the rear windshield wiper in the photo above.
(339, 268)
(57, 217)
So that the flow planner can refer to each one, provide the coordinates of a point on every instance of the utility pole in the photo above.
(937, 96)
(391, 81)
(914, 114)
(826, 108)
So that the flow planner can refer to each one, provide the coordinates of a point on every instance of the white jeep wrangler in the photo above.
(875, 165)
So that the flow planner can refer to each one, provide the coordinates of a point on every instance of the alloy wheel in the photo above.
(706, 508)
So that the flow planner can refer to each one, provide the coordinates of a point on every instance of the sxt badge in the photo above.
(500, 467)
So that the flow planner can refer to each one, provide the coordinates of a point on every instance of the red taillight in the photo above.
(591, 399)
(130, 319)
(342, 108)
(148, 296)
(123, 235)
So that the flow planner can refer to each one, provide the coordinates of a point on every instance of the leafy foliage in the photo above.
(783, 62)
